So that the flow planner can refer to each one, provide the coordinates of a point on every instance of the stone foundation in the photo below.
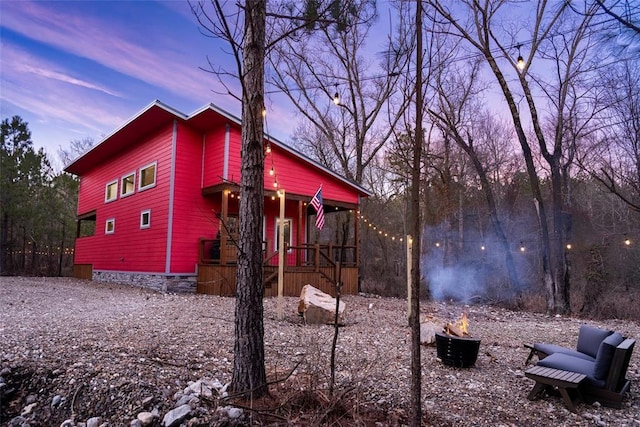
(157, 282)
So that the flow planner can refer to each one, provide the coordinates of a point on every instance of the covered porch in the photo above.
(310, 256)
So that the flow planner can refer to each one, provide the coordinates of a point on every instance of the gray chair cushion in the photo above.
(573, 364)
(549, 349)
(605, 355)
(589, 339)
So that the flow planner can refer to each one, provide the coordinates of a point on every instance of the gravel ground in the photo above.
(71, 350)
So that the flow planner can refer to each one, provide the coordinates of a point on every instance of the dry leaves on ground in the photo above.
(73, 350)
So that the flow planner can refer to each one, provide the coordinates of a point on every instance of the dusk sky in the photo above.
(78, 69)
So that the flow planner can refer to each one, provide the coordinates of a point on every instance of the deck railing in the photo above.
(318, 258)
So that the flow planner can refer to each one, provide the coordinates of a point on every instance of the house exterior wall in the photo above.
(193, 215)
(297, 176)
(213, 156)
(128, 248)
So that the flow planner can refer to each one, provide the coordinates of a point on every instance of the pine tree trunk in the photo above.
(249, 376)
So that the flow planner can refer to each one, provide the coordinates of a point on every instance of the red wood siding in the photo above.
(272, 212)
(193, 214)
(297, 176)
(129, 248)
(213, 157)
(235, 146)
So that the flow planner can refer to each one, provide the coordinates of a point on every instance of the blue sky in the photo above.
(78, 69)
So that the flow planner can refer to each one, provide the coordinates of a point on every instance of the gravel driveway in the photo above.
(79, 352)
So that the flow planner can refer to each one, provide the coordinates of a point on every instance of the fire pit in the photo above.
(461, 352)
(455, 347)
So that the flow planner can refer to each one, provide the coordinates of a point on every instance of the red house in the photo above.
(158, 207)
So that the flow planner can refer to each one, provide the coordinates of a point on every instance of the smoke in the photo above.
(461, 283)
(473, 269)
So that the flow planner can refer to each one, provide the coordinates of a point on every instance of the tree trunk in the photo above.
(249, 376)
(416, 232)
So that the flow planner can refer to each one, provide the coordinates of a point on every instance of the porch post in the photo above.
(356, 239)
(299, 232)
(281, 250)
(222, 227)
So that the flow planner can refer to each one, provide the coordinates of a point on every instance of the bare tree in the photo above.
(315, 68)
(458, 116)
(615, 157)
(76, 148)
(244, 27)
(564, 44)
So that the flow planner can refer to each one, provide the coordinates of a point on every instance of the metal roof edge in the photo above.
(155, 103)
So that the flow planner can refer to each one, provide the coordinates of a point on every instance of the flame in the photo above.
(463, 323)
(458, 328)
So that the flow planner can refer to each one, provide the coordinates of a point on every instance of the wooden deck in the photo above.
(316, 265)
(221, 280)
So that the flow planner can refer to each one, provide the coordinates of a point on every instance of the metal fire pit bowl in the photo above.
(460, 352)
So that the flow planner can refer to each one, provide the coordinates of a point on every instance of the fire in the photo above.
(463, 323)
(459, 328)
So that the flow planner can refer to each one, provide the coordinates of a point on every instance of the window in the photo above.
(145, 219)
(287, 232)
(147, 176)
(111, 191)
(110, 226)
(128, 184)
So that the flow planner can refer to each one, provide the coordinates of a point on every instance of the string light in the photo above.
(336, 97)
(520, 63)
(271, 171)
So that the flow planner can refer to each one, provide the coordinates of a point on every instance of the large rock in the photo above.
(174, 417)
(318, 307)
(428, 332)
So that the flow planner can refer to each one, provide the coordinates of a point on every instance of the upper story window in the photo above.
(147, 176)
(128, 184)
(111, 191)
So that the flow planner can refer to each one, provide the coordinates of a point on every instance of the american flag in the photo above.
(316, 202)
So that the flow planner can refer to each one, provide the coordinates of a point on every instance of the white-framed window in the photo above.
(288, 222)
(111, 191)
(147, 176)
(110, 226)
(128, 184)
(145, 218)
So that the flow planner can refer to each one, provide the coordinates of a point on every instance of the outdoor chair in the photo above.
(601, 358)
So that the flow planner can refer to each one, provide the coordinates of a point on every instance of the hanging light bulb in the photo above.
(271, 171)
(264, 111)
(522, 248)
(520, 62)
(336, 99)
(268, 147)
(627, 241)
